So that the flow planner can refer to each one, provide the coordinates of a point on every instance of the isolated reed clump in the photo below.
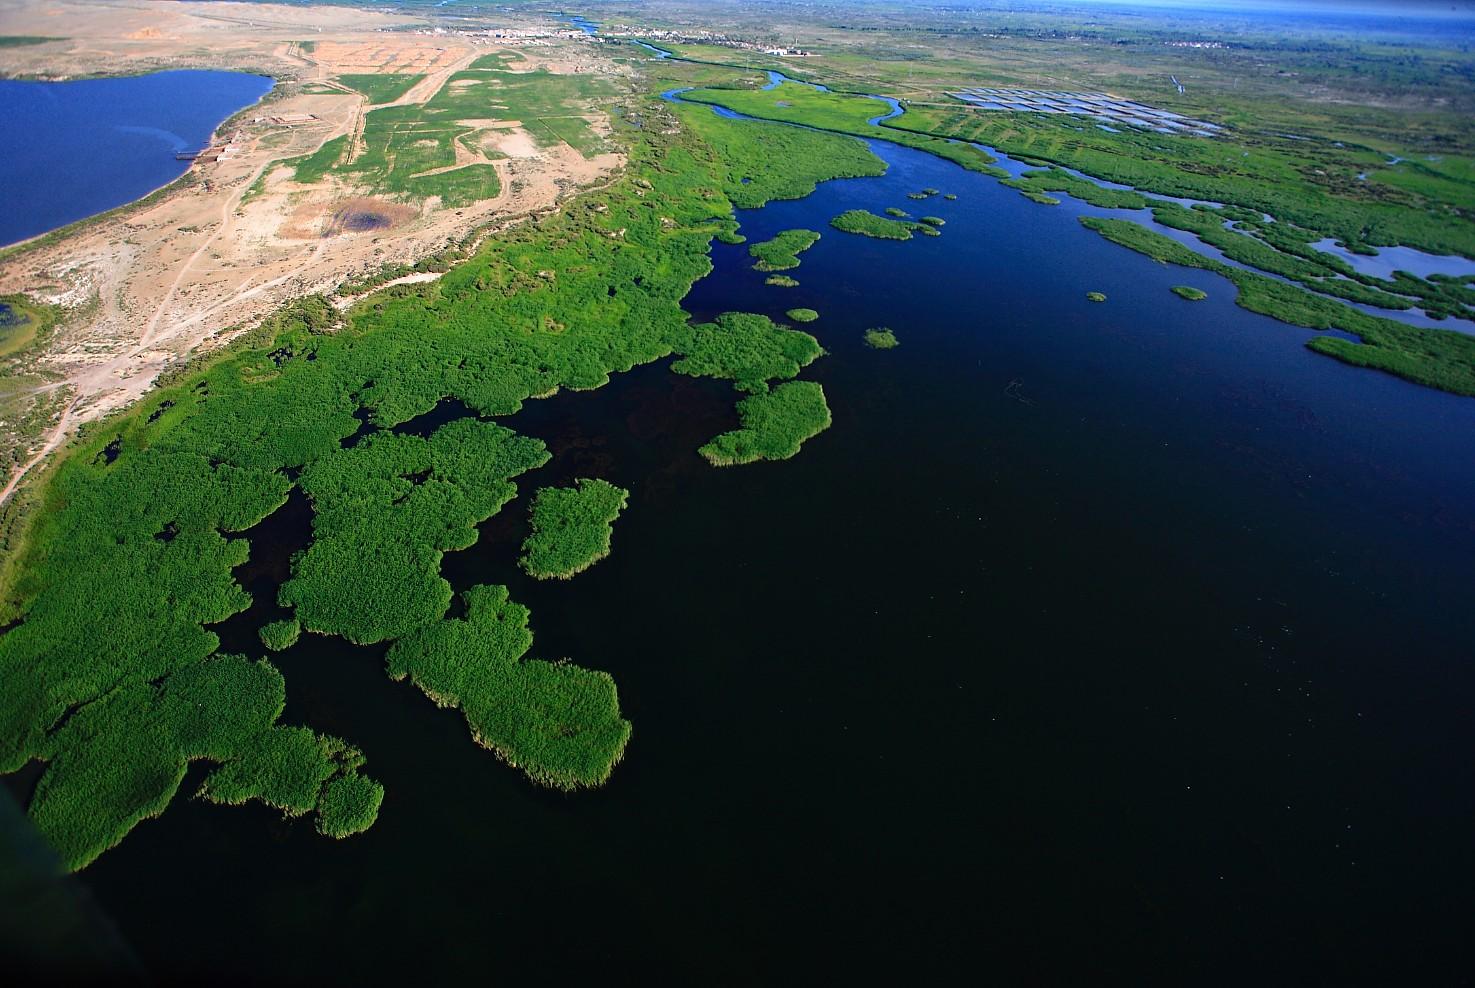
(280, 635)
(868, 224)
(881, 338)
(571, 528)
(781, 253)
(774, 425)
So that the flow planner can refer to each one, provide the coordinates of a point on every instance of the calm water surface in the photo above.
(1117, 638)
(78, 148)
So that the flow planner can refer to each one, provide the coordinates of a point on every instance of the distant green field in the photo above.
(20, 40)
(381, 88)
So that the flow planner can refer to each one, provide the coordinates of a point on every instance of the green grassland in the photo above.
(571, 528)
(1190, 293)
(385, 88)
(113, 675)
(782, 252)
(839, 112)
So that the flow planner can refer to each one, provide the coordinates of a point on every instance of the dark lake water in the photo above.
(78, 148)
(1116, 638)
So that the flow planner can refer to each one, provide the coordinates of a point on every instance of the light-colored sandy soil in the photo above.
(156, 283)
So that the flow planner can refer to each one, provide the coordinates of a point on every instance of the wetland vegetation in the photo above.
(125, 556)
(775, 424)
(868, 224)
(880, 338)
(782, 252)
(560, 724)
(1190, 293)
(571, 528)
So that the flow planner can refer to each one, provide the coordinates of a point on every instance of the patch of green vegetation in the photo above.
(1096, 296)
(1313, 185)
(881, 338)
(409, 151)
(1438, 358)
(385, 88)
(349, 805)
(749, 183)
(781, 280)
(24, 322)
(1034, 184)
(932, 220)
(802, 315)
(895, 213)
(840, 112)
(571, 528)
(120, 759)
(747, 349)
(782, 252)
(558, 723)
(1190, 293)
(384, 512)
(868, 224)
(22, 40)
(112, 674)
(278, 636)
(949, 196)
(774, 425)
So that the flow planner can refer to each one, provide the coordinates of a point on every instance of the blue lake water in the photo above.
(1112, 638)
(79, 148)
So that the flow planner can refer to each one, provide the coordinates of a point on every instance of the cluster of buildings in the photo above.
(626, 32)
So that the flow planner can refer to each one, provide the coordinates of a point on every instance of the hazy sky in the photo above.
(1356, 6)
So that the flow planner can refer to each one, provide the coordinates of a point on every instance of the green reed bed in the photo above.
(782, 252)
(880, 338)
(571, 528)
(868, 224)
(112, 674)
(775, 425)
(560, 724)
